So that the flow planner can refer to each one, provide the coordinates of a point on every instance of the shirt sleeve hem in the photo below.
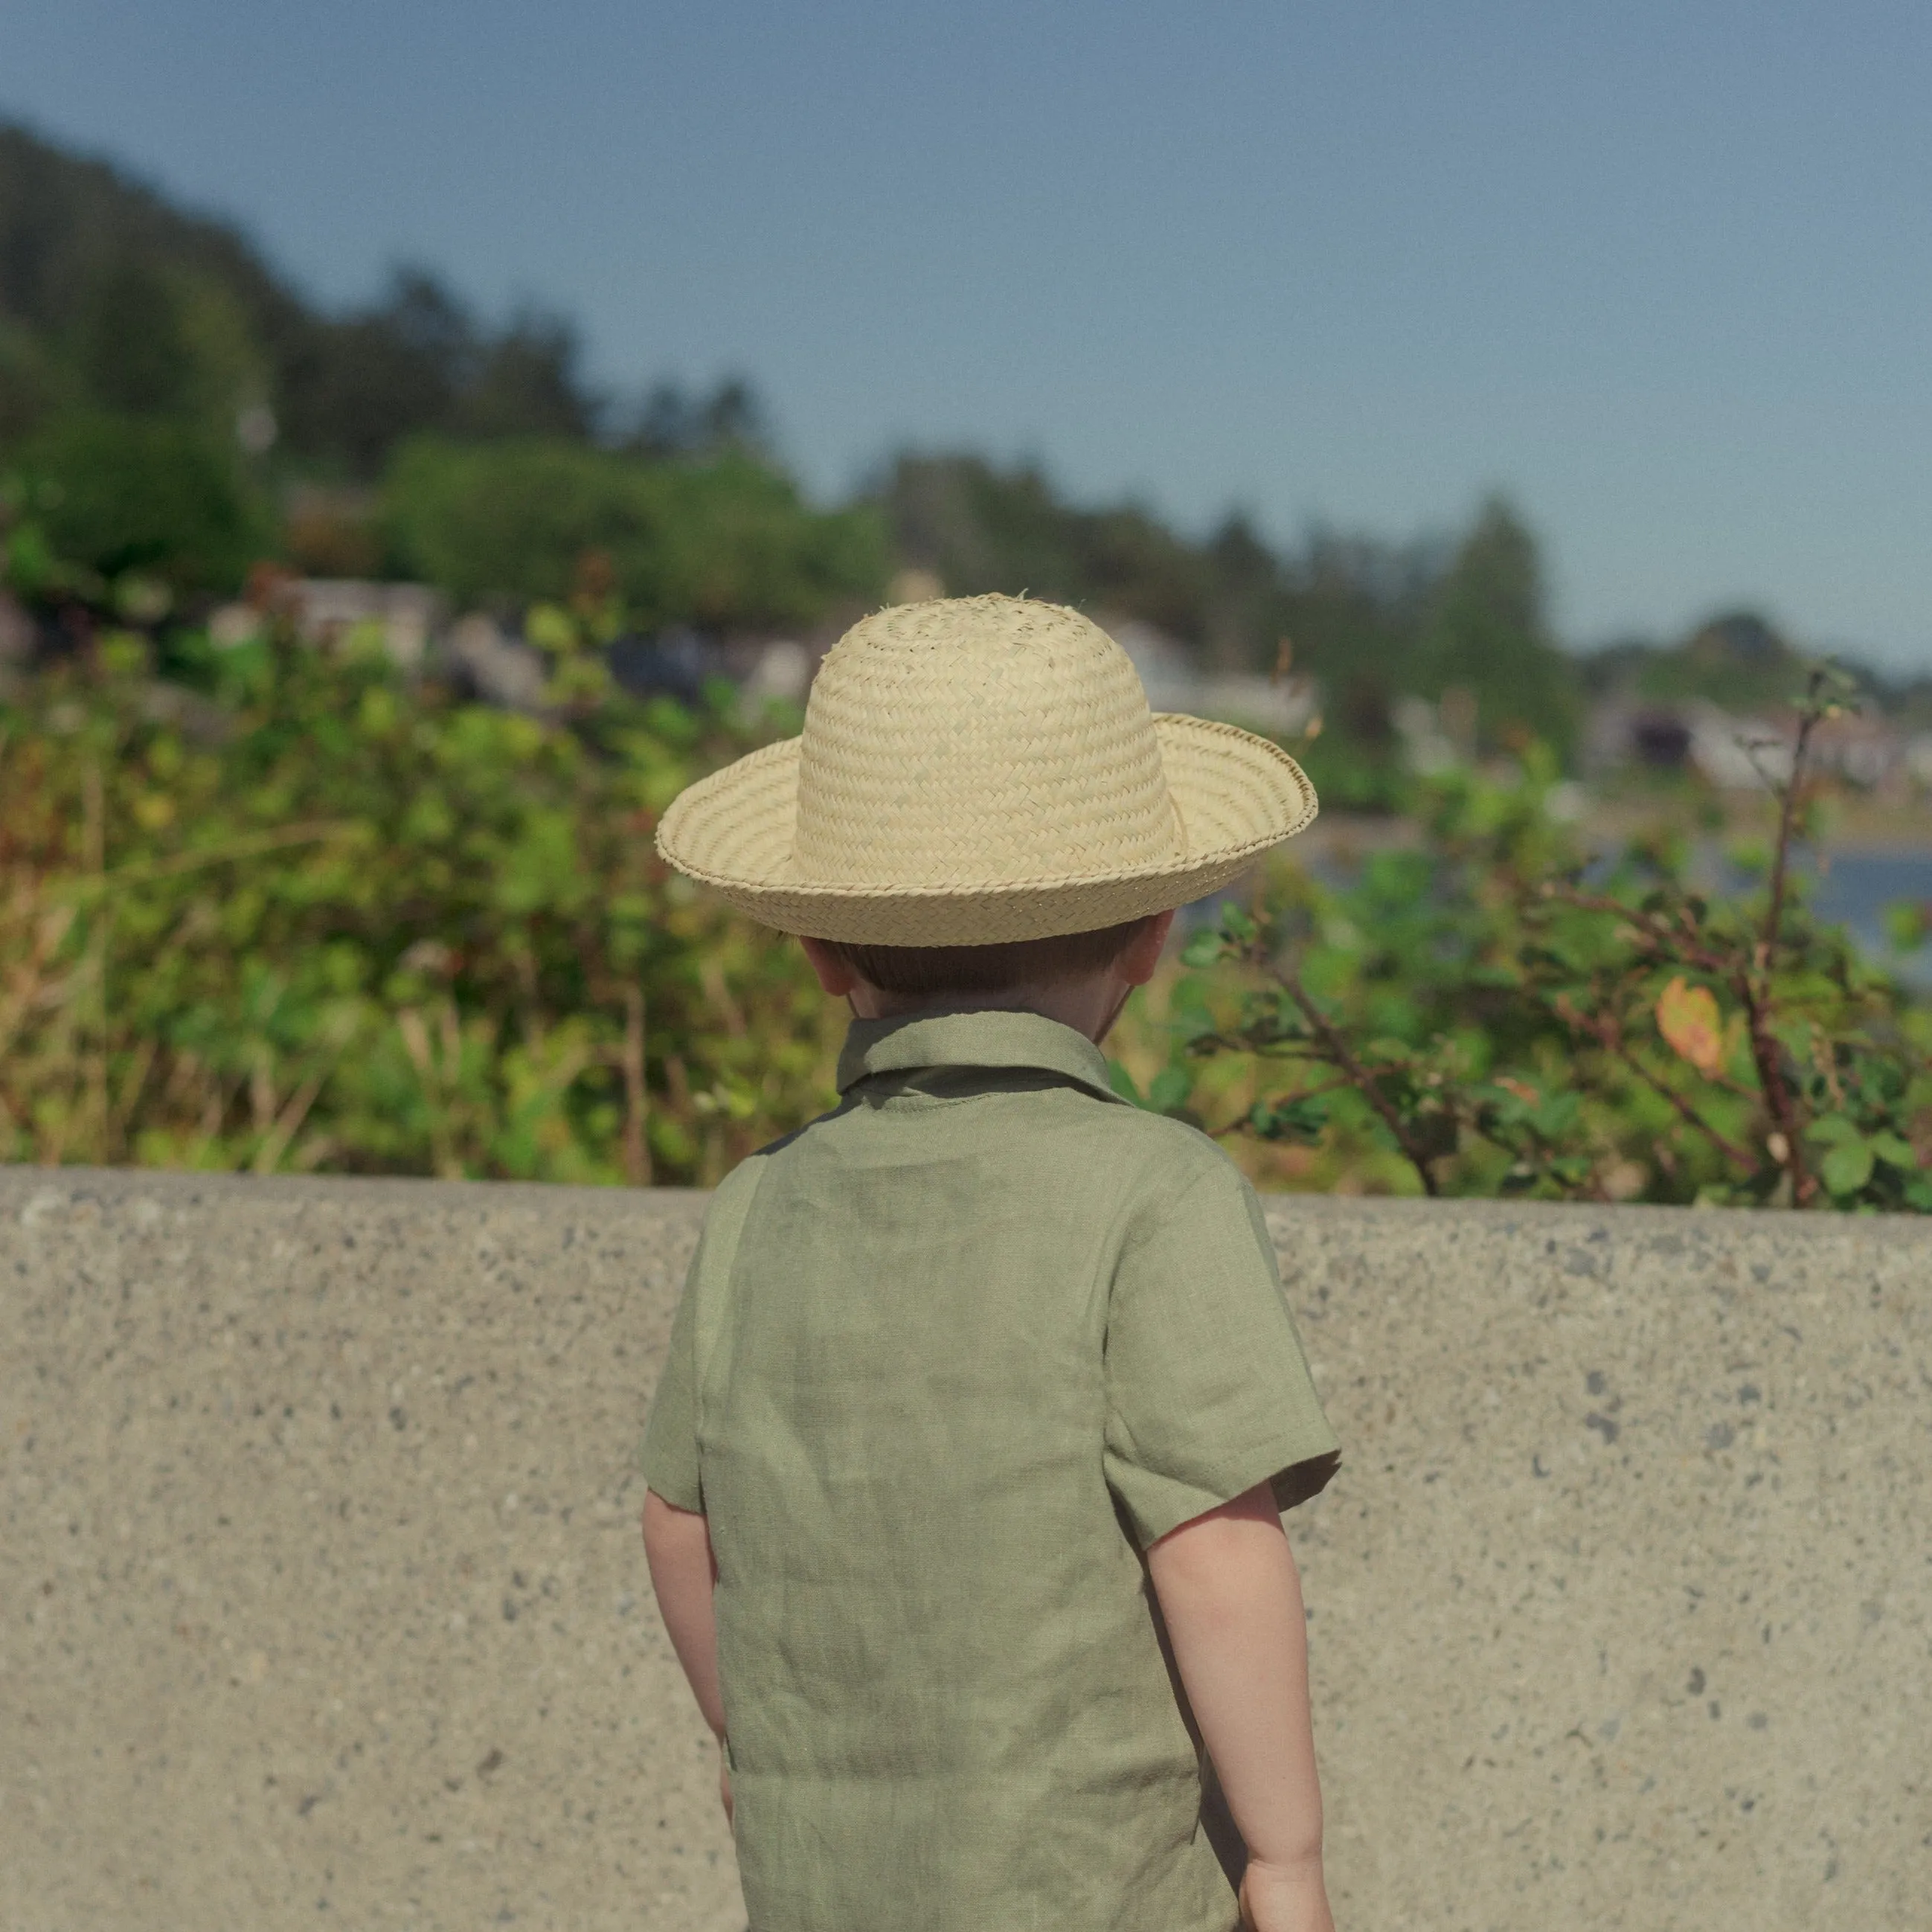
(681, 1491)
(1306, 1474)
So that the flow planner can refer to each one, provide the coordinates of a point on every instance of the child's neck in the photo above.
(1089, 1003)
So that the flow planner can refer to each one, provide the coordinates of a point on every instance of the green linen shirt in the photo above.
(947, 1360)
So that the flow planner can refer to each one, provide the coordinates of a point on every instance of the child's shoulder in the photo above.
(1151, 1160)
(1178, 1167)
(1127, 1149)
(1173, 1144)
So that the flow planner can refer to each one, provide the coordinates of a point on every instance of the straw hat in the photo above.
(981, 769)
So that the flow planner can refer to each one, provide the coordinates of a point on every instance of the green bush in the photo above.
(724, 542)
(311, 916)
(327, 921)
(119, 495)
(1490, 1013)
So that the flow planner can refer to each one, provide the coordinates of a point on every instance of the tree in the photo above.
(394, 370)
(725, 543)
(132, 352)
(120, 493)
(1247, 607)
(1486, 633)
(672, 422)
(526, 384)
(979, 528)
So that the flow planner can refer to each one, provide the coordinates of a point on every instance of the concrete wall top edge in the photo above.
(21, 1186)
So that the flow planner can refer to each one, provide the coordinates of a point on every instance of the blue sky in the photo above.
(1663, 272)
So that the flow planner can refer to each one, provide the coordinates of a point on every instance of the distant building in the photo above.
(324, 609)
(1174, 682)
(1737, 752)
(1868, 752)
(496, 668)
(673, 663)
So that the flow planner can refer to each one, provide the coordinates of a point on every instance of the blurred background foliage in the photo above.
(725, 543)
(1494, 1008)
(298, 911)
(273, 904)
(315, 919)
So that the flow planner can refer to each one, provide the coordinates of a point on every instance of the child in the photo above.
(964, 1472)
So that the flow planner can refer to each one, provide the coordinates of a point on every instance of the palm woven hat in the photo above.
(977, 769)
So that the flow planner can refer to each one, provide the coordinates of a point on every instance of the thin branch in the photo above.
(1657, 938)
(1754, 984)
(251, 846)
(1728, 1147)
(1787, 813)
(268, 1156)
(1339, 1054)
(1240, 1121)
(1607, 1035)
(630, 1059)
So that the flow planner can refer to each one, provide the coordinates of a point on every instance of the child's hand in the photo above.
(1285, 1898)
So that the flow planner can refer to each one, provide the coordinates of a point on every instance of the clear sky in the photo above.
(1661, 270)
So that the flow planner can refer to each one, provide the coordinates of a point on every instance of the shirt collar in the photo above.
(979, 1038)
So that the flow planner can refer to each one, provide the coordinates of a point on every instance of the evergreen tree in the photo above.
(1487, 634)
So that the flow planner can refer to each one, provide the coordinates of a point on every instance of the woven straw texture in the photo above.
(982, 769)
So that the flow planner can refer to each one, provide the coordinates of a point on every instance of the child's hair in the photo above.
(929, 972)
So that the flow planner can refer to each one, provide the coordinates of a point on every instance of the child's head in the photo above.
(981, 809)
(1080, 979)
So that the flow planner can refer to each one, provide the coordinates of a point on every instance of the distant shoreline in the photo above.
(1364, 832)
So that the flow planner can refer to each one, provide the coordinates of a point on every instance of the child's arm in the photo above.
(1231, 1600)
(677, 1547)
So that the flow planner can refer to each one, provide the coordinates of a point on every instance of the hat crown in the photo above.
(978, 741)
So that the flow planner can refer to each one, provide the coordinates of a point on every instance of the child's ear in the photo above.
(1138, 963)
(836, 977)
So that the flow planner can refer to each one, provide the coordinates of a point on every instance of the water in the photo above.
(1854, 890)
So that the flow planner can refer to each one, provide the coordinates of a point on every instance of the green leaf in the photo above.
(1238, 925)
(1908, 923)
(1300, 1119)
(1169, 1089)
(1888, 1146)
(1204, 949)
(1122, 1082)
(1833, 1127)
(1847, 1167)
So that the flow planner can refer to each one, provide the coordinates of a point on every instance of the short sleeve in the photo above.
(669, 1455)
(1208, 1392)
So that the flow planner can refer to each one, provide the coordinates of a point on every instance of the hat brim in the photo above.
(1237, 795)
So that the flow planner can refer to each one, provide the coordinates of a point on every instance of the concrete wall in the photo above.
(324, 1602)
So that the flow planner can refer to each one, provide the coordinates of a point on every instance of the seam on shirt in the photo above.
(1118, 1248)
(714, 1280)
(913, 1098)
(1170, 1203)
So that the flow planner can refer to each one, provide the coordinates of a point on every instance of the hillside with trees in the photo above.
(280, 898)
(174, 411)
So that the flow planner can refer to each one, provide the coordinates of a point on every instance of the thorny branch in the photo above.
(1662, 933)
(1336, 1050)
(1608, 1036)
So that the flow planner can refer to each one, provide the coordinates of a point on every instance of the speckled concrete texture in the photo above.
(1622, 1601)
(324, 1602)
(325, 1599)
